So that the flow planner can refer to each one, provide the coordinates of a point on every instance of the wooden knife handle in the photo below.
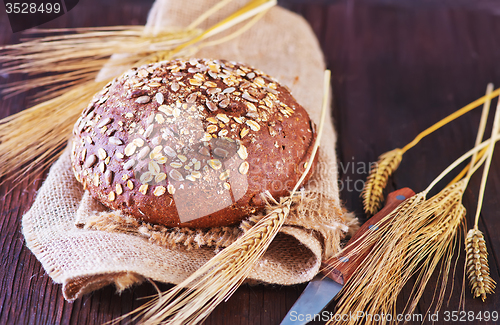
(341, 268)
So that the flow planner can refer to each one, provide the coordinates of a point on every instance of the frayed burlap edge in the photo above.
(116, 221)
(306, 209)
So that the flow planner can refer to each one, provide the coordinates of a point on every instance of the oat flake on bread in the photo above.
(191, 143)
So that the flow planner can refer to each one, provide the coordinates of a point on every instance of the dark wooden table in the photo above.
(398, 67)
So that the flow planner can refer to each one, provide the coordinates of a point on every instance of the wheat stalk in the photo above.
(31, 140)
(388, 162)
(413, 240)
(479, 137)
(76, 58)
(477, 267)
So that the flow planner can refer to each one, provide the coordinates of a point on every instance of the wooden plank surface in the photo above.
(398, 67)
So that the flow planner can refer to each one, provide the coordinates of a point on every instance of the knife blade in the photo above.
(337, 270)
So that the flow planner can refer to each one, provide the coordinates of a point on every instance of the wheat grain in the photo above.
(373, 192)
(477, 267)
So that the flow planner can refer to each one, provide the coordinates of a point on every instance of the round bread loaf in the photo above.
(191, 142)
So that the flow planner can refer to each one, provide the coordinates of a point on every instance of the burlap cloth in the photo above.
(85, 247)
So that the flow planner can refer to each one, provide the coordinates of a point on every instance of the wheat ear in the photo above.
(373, 192)
(477, 267)
(388, 162)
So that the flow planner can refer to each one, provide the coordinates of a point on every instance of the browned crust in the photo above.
(184, 126)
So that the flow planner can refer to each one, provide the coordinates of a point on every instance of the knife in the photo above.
(337, 270)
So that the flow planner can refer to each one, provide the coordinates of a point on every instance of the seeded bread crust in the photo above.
(191, 142)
